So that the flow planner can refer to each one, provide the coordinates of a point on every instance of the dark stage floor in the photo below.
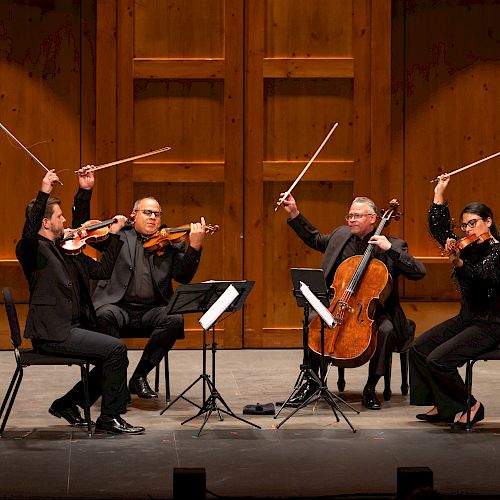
(311, 455)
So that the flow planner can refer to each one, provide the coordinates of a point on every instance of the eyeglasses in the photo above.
(149, 213)
(349, 217)
(471, 224)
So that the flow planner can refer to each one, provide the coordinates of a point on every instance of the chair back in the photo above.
(10, 308)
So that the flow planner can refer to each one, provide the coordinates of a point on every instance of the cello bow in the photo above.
(304, 170)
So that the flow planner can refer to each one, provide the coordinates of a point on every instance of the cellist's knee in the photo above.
(385, 330)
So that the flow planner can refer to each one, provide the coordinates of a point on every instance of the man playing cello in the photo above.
(393, 329)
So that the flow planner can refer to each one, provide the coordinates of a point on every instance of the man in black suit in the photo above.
(61, 320)
(135, 297)
(347, 241)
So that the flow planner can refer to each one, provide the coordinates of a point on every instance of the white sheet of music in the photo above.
(317, 305)
(218, 307)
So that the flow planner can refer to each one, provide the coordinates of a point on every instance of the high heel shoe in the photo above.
(433, 419)
(477, 418)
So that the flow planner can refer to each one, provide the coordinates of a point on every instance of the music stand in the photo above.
(314, 279)
(199, 298)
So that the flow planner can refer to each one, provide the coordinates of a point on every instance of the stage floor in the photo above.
(311, 455)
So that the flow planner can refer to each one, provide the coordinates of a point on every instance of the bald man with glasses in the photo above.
(136, 295)
(346, 241)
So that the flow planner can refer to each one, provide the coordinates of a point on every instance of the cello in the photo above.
(360, 284)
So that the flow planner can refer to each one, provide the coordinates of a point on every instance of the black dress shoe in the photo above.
(141, 387)
(70, 413)
(477, 418)
(116, 425)
(305, 391)
(370, 400)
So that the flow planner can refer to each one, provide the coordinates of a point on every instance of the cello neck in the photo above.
(358, 273)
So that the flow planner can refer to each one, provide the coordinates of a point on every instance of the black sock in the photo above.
(372, 381)
(143, 368)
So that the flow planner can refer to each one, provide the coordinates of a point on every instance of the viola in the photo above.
(171, 235)
(89, 232)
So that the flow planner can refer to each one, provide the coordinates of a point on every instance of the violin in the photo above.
(170, 235)
(468, 240)
(89, 232)
(464, 242)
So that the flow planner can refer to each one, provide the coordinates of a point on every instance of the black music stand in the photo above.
(314, 279)
(199, 298)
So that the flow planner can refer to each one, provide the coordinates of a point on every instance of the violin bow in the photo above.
(124, 160)
(17, 141)
(304, 170)
(467, 166)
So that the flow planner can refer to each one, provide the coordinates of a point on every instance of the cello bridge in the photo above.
(345, 307)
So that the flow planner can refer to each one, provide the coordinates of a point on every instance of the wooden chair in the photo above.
(28, 357)
(487, 356)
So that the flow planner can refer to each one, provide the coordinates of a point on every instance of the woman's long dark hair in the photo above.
(484, 212)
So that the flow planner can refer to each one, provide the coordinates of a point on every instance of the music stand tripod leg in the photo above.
(181, 396)
(210, 404)
(324, 392)
(203, 377)
(305, 373)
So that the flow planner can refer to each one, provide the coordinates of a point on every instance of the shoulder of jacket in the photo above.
(342, 230)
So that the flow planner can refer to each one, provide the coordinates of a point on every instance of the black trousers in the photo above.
(437, 354)
(386, 343)
(109, 375)
(163, 329)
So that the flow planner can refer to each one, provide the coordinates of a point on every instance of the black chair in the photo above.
(487, 356)
(128, 333)
(404, 353)
(167, 378)
(28, 357)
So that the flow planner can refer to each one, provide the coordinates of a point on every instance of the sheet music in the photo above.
(225, 281)
(317, 305)
(218, 307)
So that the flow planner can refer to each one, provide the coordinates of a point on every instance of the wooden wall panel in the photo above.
(104, 199)
(316, 28)
(179, 29)
(40, 104)
(444, 117)
(299, 114)
(176, 113)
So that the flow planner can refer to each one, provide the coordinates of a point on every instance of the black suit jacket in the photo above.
(50, 308)
(398, 260)
(174, 264)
